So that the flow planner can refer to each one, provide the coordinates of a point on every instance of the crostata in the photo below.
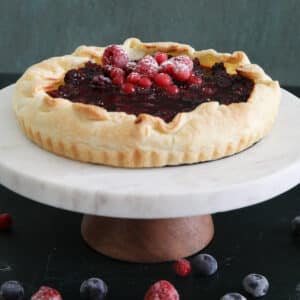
(146, 104)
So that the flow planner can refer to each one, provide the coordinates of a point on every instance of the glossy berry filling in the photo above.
(145, 91)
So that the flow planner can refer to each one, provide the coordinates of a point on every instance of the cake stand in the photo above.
(156, 214)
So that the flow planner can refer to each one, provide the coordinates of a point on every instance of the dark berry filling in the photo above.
(154, 85)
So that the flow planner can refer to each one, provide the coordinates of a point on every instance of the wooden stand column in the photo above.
(147, 240)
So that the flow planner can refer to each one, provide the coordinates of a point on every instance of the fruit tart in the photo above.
(146, 104)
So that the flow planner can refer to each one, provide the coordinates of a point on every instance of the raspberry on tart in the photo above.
(146, 104)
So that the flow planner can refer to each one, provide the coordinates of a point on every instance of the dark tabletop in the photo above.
(45, 248)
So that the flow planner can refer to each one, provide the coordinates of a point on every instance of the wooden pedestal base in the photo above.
(147, 240)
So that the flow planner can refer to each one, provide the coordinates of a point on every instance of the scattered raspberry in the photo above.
(172, 89)
(5, 221)
(46, 293)
(195, 79)
(162, 290)
(145, 82)
(128, 88)
(160, 57)
(162, 79)
(147, 66)
(182, 267)
(117, 76)
(115, 55)
(133, 77)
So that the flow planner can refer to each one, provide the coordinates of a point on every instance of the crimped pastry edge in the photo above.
(91, 134)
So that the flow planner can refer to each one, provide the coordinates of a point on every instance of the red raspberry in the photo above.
(162, 79)
(130, 67)
(195, 79)
(162, 290)
(147, 66)
(167, 67)
(128, 88)
(160, 57)
(172, 89)
(182, 267)
(46, 293)
(133, 77)
(5, 221)
(183, 60)
(180, 67)
(182, 75)
(145, 82)
(117, 76)
(115, 55)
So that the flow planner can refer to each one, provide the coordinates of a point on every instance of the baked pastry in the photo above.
(146, 104)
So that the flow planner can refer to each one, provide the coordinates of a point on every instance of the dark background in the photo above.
(267, 30)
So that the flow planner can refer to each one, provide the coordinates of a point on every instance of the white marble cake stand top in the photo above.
(267, 169)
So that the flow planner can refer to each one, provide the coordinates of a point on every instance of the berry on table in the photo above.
(160, 57)
(11, 290)
(93, 289)
(256, 285)
(295, 226)
(162, 79)
(233, 296)
(5, 221)
(46, 293)
(182, 267)
(162, 290)
(115, 55)
(204, 265)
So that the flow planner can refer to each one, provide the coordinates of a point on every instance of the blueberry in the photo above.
(255, 284)
(204, 264)
(93, 289)
(75, 77)
(100, 81)
(223, 80)
(11, 290)
(295, 226)
(233, 296)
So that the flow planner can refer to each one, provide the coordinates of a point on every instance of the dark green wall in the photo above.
(268, 30)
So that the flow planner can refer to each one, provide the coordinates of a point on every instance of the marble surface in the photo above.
(267, 169)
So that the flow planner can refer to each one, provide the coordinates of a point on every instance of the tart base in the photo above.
(147, 241)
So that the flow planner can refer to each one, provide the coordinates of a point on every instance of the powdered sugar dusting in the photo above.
(174, 65)
(147, 66)
(182, 63)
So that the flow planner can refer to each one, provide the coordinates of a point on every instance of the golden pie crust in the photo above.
(90, 133)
